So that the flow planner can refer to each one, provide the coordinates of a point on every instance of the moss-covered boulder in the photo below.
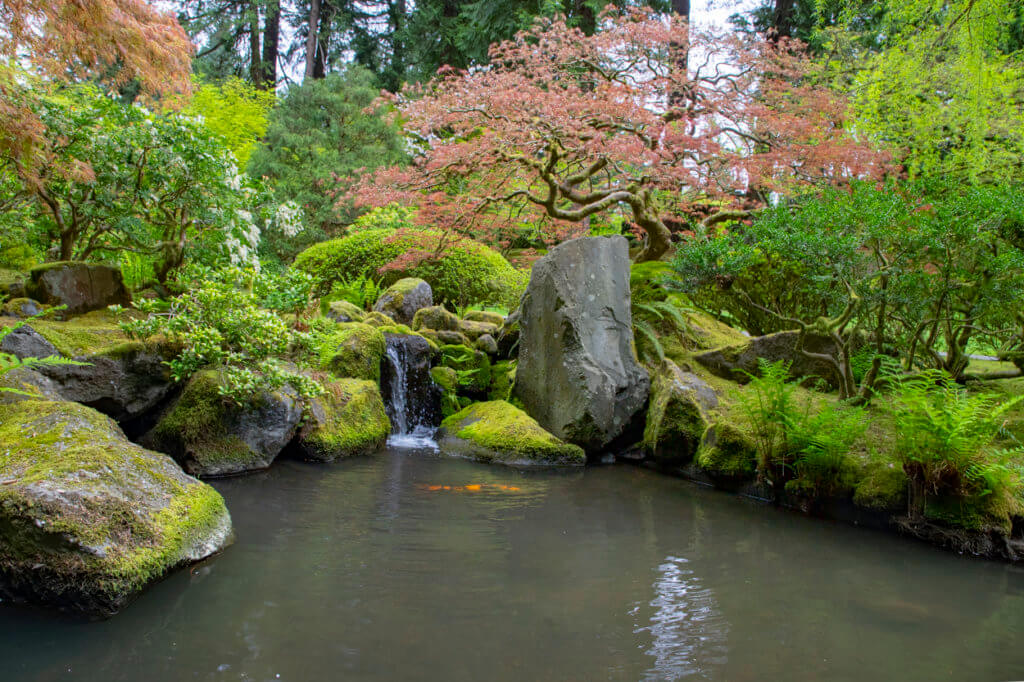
(446, 379)
(87, 518)
(212, 437)
(402, 299)
(462, 272)
(444, 337)
(354, 350)
(490, 317)
(21, 308)
(435, 317)
(677, 416)
(472, 366)
(882, 485)
(81, 287)
(487, 344)
(12, 283)
(122, 378)
(741, 361)
(377, 319)
(349, 419)
(727, 454)
(474, 330)
(344, 311)
(497, 431)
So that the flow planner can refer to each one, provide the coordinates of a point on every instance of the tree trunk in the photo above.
(311, 38)
(782, 18)
(680, 54)
(255, 63)
(659, 239)
(271, 43)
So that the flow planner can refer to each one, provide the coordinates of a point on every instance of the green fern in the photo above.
(644, 329)
(10, 362)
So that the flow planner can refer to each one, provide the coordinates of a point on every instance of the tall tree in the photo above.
(563, 126)
(312, 37)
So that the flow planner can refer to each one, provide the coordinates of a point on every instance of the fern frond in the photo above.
(644, 329)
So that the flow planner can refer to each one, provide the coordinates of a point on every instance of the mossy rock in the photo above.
(403, 330)
(212, 437)
(472, 366)
(487, 344)
(677, 416)
(87, 518)
(404, 298)
(496, 431)
(80, 287)
(987, 513)
(882, 485)
(503, 377)
(448, 381)
(463, 271)
(378, 319)
(21, 308)
(12, 283)
(497, 319)
(645, 281)
(444, 337)
(435, 317)
(474, 330)
(349, 419)
(344, 311)
(727, 454)
(354, 350)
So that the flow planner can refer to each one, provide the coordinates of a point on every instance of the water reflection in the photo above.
(688, 632)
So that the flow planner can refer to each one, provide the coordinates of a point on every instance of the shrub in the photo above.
(464, 273)
(945, 442)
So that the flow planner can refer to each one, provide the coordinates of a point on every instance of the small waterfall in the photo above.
(412, 400)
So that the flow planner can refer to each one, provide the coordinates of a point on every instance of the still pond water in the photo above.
(406, 566)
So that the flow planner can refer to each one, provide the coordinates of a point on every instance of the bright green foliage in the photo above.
(235, 111)
(447, 380)
(464, 272)
(796, 438)
(352, 350)
(944, 88)
(472, 367)
(215, 322)
(945, 440)
(319, 131)
(160, 185)
(361, 291)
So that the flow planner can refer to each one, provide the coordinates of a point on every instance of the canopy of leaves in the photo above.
(235, 111)
(321, 130)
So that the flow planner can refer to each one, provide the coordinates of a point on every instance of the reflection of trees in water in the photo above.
(687, 629)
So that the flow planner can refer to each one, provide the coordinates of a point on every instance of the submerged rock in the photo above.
(87, 518)
(82, 287)
(677, 416)
(402, 299)
(497, 431)
(578, 375)
(347, 420)
(212, 437)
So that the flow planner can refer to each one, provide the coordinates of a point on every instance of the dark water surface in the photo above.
(365, 570)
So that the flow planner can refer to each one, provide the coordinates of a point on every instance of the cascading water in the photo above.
(412, 400)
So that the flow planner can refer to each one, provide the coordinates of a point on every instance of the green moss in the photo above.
(882, 485)
(131, 515)
(435, 317)
(346, 309)
(448, 381)
(466, 271)
(675, 422)
(406, 331)
(472, 366)
(498, 431)
(445, 337)
(474, 330)
(348, 419)
(353, 350)
(984, 513)
(503, 376)
(377, 319)
(727, 452)
(497, 319)
(95, 333)
(644, 281)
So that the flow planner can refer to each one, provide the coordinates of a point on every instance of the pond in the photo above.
(408, 566)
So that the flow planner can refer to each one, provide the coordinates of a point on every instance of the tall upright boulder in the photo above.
(578, 375)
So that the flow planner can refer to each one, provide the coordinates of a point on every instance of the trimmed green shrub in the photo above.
(466, 272)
